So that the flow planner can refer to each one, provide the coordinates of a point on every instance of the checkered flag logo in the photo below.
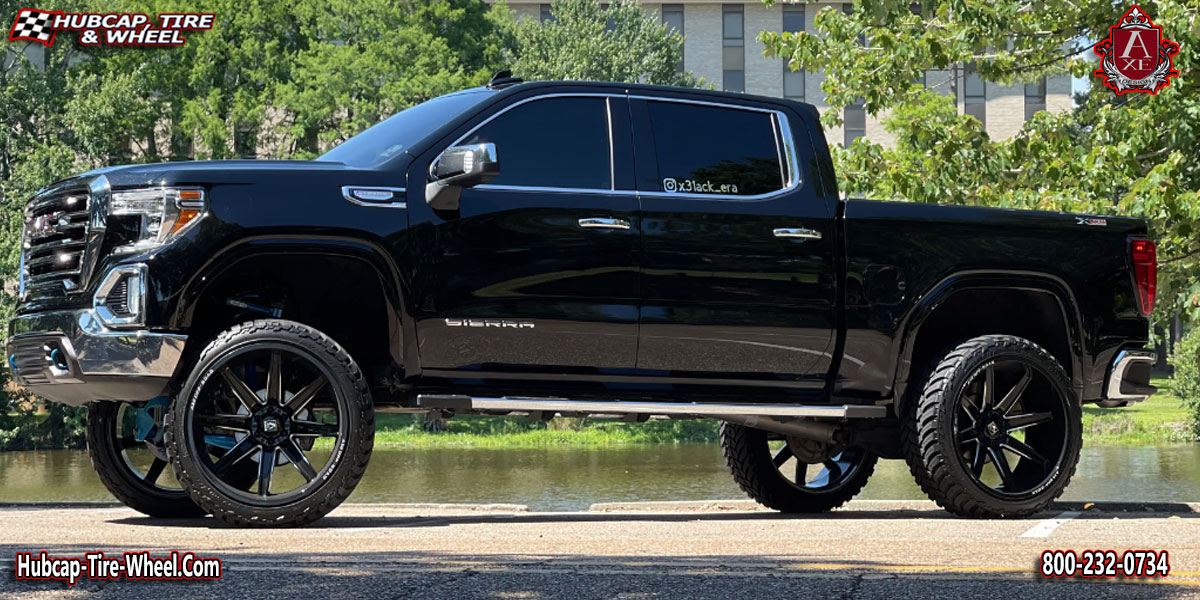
(34, 25)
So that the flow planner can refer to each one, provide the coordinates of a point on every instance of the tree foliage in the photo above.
(587, 42)
(1131, 155)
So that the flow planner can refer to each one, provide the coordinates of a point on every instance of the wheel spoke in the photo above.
(1024, 450)
(1020, 422)
(1014, 394)
(155, 470)
(313, 428)
(266, 468)
(127, 442)
(298, 460)
(969, 434)
(226, 422)
(275, 378)
(782, 456)
(301, 399)
(978, 461)
(239, 451)
(989, 388)
(1001, 464)
(244, 394)
(833, 471)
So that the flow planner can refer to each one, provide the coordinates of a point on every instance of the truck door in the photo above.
(537, 272)
(738, 280)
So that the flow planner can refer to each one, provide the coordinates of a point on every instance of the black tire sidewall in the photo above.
(116, 475)
(970, 497)
(749, 458)
(349, 455)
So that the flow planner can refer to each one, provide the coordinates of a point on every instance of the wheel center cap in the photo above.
(270, 425)
(992, 429)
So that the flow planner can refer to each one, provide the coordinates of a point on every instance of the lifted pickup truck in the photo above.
(549, 248)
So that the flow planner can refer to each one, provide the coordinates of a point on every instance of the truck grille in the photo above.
(56, 234)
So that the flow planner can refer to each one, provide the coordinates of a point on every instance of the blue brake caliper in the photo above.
(149, 429)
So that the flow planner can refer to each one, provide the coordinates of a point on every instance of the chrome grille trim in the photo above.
(63, 229)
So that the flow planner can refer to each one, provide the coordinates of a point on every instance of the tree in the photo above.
(583, 41)
(1131, 155)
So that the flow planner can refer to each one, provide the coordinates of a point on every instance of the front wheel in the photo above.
(996, 431)
(794, 475)
(299, 410)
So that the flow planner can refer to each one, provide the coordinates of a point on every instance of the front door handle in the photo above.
(603, 223)
(798, 232)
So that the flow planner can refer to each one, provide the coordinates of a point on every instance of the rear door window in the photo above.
(714, 150)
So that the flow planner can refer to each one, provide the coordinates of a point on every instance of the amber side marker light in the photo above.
(188, 202)
(1145, 272)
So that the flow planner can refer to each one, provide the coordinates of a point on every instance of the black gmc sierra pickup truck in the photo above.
(549, 248)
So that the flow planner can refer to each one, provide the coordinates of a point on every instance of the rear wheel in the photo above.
(300, 413)
(996, 431)
(791, 474)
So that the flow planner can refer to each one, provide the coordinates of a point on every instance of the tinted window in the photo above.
(557, 142)
(713, 150)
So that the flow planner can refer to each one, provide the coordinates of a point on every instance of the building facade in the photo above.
(720, 45)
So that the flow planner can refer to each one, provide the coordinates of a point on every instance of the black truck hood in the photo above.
(210, 172)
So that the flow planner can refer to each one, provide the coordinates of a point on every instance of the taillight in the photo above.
(1145, 272)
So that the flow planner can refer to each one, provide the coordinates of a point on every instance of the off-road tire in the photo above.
(116, 475)
(355, 447)
(927, 438)
(749, 458)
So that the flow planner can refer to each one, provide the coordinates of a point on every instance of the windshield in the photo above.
(402, 131)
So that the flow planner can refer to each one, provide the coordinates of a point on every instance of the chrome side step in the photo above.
(668, 409)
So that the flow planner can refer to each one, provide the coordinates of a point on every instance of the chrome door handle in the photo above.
(603, 223)
(798, 232)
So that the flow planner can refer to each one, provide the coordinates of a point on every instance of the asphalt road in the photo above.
(633, 551)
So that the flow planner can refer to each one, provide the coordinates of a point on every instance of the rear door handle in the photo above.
(603, 223)
(798, 232)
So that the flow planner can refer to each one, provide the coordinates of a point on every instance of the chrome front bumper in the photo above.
(1129, 378)
(71, 357)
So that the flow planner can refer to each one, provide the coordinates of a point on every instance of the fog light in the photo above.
(120, 300)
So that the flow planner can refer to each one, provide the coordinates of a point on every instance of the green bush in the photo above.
(1187, 376)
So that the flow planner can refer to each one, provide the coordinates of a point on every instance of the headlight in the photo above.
(152, 217)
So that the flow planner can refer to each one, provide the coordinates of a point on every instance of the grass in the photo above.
(1160, 420)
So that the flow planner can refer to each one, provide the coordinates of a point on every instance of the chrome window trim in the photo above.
(783, 132)
(348, 194)
(612, 150)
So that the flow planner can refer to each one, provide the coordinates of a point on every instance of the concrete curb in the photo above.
(884, 505)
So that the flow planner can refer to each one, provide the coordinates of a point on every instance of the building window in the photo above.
(793, 81)
(1035, 98)
(975, 94)
(546, 15)
(921, 80)
(672, 17)
(733, 42)
(855, 123)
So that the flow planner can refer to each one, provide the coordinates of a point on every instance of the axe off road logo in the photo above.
(1137, 58)
(107, 29)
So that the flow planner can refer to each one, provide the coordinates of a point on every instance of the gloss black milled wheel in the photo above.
(299, 411)
(792, 474)
(997, 430)
(125, 444)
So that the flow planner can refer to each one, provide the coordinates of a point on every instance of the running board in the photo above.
(620, 407)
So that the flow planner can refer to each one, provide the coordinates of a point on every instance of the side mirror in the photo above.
(459, 167)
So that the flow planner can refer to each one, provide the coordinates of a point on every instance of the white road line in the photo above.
(1045, 528)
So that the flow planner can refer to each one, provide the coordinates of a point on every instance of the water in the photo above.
(573, 478)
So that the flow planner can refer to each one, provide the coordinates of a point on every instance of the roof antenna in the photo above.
(503, 78)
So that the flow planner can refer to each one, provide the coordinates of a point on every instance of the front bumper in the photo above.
(1129, 378)
(70, 357)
